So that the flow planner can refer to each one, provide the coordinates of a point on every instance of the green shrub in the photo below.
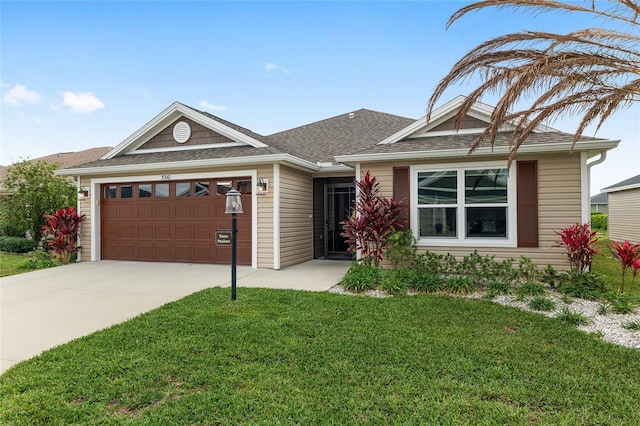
(599, 220)
(395, 281)
(527, 270)
(498, 286)
(550, 277)
(40, 259)
(361, 277)
(460, 285)
(17, 244)
(540, 303)
(568, 316)
(401, 249)
(427, 282)
(530, 288)
(621, 303)
(585, 285)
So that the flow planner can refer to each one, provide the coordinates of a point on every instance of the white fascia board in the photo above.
(178, 165)
(174, 111)
(141, 131)
(524, 149)
(335, 168)
(621, 188)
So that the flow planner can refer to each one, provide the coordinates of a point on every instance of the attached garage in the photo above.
(173, 221)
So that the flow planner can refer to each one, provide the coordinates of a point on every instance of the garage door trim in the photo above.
(96, 221)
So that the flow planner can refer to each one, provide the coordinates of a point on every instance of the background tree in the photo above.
(588, 73)
(31, 191)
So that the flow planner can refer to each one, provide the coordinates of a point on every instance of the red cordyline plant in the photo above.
(579, 241)
(636, 268)
(627, 254)
(372, 220)
(61, 232)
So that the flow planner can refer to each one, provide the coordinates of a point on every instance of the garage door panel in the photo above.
(145, 231)
(165, 227)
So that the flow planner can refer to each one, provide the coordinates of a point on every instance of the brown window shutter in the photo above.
(401, 193)
(527, 202)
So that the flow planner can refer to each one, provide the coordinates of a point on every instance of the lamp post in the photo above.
(232, 207)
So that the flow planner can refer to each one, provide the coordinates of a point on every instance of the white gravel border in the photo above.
(608, 326)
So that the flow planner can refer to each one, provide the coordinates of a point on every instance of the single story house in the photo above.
(599, 203)
(160, 194)
(624, 210)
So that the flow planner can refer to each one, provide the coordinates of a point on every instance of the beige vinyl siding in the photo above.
(296, 225)
(265, 220)
(624, 215)
(558, 206)
(84, 205)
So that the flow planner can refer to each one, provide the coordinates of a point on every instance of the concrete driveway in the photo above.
(43, 309)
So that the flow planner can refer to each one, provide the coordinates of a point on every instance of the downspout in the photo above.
(587, 205)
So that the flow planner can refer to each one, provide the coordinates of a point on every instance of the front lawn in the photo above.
(11, 264)
(290, 357)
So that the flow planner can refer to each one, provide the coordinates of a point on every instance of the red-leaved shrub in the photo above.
(372, 220)
(627, 254)
(579, 241)
(61, 232)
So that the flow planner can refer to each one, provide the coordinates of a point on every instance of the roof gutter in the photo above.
(464, 152)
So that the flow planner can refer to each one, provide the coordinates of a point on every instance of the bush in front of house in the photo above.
(17, 244)
(599, 220)
(361, 277)
(40, 259)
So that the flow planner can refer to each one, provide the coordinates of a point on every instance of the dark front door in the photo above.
(339, 199)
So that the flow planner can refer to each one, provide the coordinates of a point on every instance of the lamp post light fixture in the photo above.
(233, 207)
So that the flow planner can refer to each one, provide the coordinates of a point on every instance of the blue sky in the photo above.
(76, 75)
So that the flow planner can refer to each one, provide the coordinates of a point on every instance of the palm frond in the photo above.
(590, 73)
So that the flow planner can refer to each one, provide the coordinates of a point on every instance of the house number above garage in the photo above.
(181, 132)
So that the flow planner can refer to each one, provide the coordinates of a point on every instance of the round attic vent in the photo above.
(181, 132)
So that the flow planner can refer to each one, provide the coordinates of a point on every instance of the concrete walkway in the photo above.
(43, 309)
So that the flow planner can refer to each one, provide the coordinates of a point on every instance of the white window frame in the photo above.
(461, 239)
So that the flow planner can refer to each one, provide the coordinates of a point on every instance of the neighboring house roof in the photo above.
(601, 198)
(631, 183)
(65, 160)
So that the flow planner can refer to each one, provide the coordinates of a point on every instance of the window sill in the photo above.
(471, 243)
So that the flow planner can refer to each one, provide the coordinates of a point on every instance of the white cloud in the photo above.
(20, 95)
(273, 67)
(141, 91)
(211, 107)
(81, 102)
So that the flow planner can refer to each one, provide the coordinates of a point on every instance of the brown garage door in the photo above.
(173, 221)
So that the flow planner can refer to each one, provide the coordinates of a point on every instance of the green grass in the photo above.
(284, 357)
(10, 264)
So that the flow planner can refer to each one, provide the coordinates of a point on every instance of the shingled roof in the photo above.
(633, 182)
(343, 134)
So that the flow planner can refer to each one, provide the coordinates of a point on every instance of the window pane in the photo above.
(244, 186)
(183, 189)
(126, 191)
(437, 187)
(438, 222)
(223, 187)
(144, 191)
(202, 189)
(486, 222)
(485, 186)
(110, 191)
(162, 190)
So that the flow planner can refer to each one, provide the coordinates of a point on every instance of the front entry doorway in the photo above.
(339, 199)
